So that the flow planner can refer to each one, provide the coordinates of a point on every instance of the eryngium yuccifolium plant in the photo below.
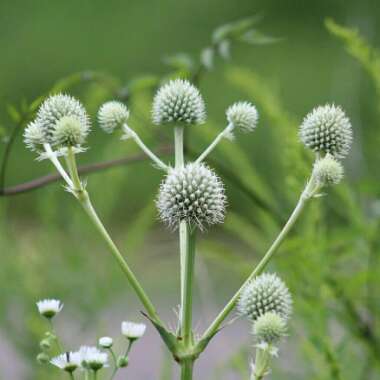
(112, 115)
(269, 328)
(265, 293)
(328, 170)
(327, 129)
(69, 131)
(243, 115)
(178, 102)
(193, 193)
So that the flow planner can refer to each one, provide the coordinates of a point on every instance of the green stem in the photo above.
(187, 306)
(216, 141)
(179, 163)
(131, 133)
(84, 199)
(56, 339)
(87, 374)
(187, 370)
(310, 190)
(178, 147)
(115, 362)
(71, 375)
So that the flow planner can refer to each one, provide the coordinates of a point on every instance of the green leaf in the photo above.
(13, 113)
(254, 37)
(207, 58)
(179, 61)
(234, 29)
(143, 82)
(224, 48)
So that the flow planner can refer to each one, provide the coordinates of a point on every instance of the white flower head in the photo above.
(92, 358)
(265, 293)
(69, 132)
(34, 136)
(327, 129)
(194, 194)
(105, 342)
(179, 102)
(69, 361)
(112, 115)
(269, 328)
(49, 307)
(328, 170)
(132, 330)
(56, 107)
(243, 115)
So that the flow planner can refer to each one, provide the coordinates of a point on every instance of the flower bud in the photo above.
(45, 344)
(243, 115)
(69, 132)
(178, 102)
(269, 328)
(34, 136)
(327, 129)
(132, 330)
(105, 342)
(43, 358)
(122, 361)
(112, 115)
(328, 170)
(265, 293)
(194, 194)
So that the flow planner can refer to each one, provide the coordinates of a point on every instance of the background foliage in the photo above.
(297, 57)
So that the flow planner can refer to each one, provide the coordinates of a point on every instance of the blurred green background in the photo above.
(330, 261)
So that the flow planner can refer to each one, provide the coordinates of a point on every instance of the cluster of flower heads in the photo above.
(87, 358)
(267, 303)
(61, 121)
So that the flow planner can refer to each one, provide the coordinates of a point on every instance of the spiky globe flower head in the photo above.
(49, 307)
(327, 129)
(34, 136)
(243, 115)
(193, 193)
(269, 328)
(265, 293)
(178, 102)
(69, 132)
(328, 170)
(54, 108)
(69, 361)
(112, 115)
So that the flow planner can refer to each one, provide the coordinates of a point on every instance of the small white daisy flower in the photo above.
(105, 342)
(69, 361)
(132, 331)
(92, 358)
(49, 307)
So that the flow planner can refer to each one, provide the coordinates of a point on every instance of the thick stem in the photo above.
(187, 370)
(227, 131)
(178, 147)
(310, 190)
(187, 306)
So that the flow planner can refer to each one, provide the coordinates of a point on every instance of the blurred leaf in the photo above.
(224, 49)
(234, 29)
(207, 57)
(254, 37)
(143, 82)
(179, 61)
(14, 113)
